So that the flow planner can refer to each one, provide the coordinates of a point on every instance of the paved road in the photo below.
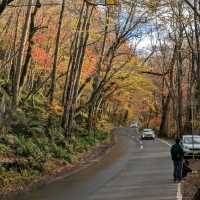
(127, 172)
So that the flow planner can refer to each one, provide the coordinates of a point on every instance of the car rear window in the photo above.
(147, 130)
(191, 140)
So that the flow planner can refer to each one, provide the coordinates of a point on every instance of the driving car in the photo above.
(148, 133)
(134, 125)
(191, 145)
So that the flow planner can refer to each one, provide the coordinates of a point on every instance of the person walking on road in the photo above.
(177, 155)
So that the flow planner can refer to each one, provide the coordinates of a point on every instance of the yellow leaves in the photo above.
(74, 24)
(155, 122)
(135, 91)
(62, 66)
(153, 5)
(134, 81)
(94, 30)
(56, 108)
(105, 2)
(89, 66)
(112, 2)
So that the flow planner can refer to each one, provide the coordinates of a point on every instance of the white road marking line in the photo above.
(165, 142)
(141, 144)
(179, 194)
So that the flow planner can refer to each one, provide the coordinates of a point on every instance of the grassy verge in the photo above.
(24, 160)
(31, 150)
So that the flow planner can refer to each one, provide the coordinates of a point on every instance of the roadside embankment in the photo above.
(36, 162)
(191, 185)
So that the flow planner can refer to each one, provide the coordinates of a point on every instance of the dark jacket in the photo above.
(177, 153)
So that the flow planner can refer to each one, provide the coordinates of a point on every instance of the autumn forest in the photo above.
(72, 70)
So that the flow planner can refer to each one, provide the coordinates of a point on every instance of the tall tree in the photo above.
(20, 57)
(75, 66)
(55, 61)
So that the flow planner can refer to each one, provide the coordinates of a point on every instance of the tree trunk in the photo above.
(164, 119)
(54, 68)
(75, 68)
(179, 72)
(20, 58)
(32, 31)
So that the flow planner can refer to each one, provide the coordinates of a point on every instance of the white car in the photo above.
(148, 133)
(134, 125)
(191, 145)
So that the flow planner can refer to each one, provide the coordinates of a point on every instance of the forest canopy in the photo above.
(70, 71)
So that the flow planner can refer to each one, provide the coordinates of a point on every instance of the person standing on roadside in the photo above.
(177, 155)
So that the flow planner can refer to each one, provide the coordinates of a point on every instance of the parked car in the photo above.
(148, 133)
(191, 145)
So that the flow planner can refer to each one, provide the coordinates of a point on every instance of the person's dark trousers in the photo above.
(178, 168)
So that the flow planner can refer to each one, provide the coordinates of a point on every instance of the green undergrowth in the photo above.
(24, 159)
(30, 149)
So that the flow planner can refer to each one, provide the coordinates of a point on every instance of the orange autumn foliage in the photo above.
(40, 38)
(89, 66)
(56, 108)
(41, 57)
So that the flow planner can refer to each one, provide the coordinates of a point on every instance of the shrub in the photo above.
(43, 144)
(57, 135)
(9, 139)
(61, 153)
(81, 145)
(5, 150)
(26, 148)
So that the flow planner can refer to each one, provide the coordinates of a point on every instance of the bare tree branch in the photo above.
(193, 8)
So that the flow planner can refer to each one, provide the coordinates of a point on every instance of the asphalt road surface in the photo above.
(129, 171)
